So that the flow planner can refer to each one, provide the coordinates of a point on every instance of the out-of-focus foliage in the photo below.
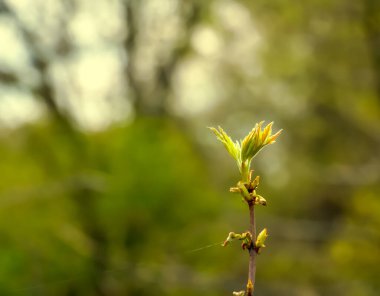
(112, 185)
(122, 212)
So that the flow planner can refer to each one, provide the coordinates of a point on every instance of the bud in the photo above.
(245, 237)
(249, 288)
(259, 200)
(260, 241)
(256, 140)
(245, 150)
(229, 238)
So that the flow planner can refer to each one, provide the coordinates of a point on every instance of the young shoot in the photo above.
(243, 152)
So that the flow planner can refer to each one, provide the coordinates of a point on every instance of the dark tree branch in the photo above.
(8, 77)
(83, 196)
(162, 81)
(44, 89)
(130, 45)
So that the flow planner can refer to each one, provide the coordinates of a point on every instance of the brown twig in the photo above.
(252, 252)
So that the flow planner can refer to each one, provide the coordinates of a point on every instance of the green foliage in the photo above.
(129, 195)
(245, 150)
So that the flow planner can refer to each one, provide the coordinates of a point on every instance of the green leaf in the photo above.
(232, 148)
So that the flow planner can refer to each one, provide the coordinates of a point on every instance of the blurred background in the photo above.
(112, 185)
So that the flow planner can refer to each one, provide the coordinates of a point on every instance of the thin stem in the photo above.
(252, 252)
(244, 171)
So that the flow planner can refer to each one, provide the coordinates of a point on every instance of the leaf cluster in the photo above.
(245, 150)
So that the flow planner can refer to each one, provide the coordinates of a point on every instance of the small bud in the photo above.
(260, 241)
(245, 237)
(249, 287)
(229, 238)
(259, 200)
(240, 293)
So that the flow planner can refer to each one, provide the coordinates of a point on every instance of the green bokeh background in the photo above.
(140, 205)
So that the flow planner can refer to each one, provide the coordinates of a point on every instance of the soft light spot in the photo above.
(206, 41)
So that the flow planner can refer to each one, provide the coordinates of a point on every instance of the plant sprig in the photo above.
(243, 152)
